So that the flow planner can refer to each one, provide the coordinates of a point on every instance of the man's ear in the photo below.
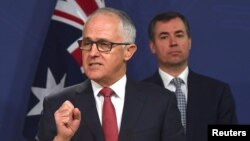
(129, 51)
(190, 43)
(152, 46)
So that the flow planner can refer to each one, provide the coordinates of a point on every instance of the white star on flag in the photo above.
(41, 93)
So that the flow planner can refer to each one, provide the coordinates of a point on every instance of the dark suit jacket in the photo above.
(210, 101)
(150, 114)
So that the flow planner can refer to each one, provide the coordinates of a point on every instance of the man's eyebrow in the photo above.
(179, 31)
(98, 40)
(163, 33)
(86, 38)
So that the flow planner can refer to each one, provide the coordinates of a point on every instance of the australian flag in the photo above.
(60, 61)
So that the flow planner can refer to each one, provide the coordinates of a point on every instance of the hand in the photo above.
(67, 119)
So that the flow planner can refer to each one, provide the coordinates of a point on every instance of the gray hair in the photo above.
(128, 31)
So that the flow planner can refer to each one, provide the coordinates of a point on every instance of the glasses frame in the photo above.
(97, 43)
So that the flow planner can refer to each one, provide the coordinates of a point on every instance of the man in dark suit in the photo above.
(207, 100)
(141, 111)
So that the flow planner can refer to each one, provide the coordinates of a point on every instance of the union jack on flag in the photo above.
(60, 61)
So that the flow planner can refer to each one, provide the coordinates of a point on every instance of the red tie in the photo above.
(109, 122)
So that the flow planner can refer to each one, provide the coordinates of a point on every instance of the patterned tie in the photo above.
(180, 99)
(109, 122)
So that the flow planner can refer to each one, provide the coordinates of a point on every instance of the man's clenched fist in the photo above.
(67, 119)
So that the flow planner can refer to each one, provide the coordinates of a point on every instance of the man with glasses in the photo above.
(108, 106)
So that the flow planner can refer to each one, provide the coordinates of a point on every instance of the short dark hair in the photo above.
(166, 16)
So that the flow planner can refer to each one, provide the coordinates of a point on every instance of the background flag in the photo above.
(60, 61)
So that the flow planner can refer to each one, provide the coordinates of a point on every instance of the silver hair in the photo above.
(128, 31)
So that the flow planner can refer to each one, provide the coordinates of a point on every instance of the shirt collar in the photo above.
(118, 87)
(167, 77)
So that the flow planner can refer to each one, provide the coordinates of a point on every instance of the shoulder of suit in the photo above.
(153, 77)
(69, 90)
(148, 87)
(206, 79)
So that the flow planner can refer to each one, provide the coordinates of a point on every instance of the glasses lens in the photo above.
(104, 46)
(86, 44)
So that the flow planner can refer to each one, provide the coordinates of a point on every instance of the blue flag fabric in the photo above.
(60, 61)
(56, 70)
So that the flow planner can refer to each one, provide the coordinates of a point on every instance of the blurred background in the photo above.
(39, 54)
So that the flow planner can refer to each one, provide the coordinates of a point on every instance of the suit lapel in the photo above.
(194, 92)
(84, 100)
(133, 104)
(194, 101)
(132, 107)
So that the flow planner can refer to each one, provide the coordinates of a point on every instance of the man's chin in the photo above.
(94, 76)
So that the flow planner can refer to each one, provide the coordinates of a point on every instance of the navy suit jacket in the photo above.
(150, 114)
(210, 101)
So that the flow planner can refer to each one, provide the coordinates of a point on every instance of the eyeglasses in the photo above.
(102, 46)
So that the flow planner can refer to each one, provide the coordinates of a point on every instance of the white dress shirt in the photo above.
(117, 99)
(167, 79)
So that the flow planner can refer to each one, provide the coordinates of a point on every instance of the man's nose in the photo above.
(173, 42)
(94, 49)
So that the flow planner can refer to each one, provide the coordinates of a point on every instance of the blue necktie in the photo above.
(181, 100)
